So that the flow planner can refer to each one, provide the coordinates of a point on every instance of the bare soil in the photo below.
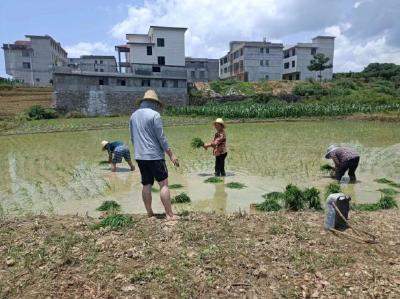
(272, 255)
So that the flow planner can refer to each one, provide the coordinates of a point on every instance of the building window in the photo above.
(261, 50)
(103, 81)
(160, 42)
(226, 59)
(101, 70)
(101, 61)
(25, 53)
(37, 80)
(313, 51)
(121, 82)
(95, 62)
(286, 65)
(149, 50)
(297, 76)
(156, 69)
(261, 62)
(161, 60)
(96, 70)
(266, 62)
(221, 71)
(294, 52)
(286, 54)
(267, 50)
(145, 82)
(241, 52)
(164, 83)
(293, 63)
(26, 65)
(193, 74)
(221, 61)
(202, 74)
(241, 65)
(175, 83)
(225, 70)
(266, 77)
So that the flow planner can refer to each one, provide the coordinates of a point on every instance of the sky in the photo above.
(366, 31)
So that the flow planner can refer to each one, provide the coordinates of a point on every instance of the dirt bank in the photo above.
(202, 256)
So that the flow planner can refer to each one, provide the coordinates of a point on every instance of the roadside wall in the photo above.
(96, 95)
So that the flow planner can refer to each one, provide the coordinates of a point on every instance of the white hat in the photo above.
(219, 121)
(103, 144)
(329, 150)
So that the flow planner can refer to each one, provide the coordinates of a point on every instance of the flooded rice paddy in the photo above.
(60, 172)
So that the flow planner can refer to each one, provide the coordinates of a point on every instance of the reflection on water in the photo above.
(59, 172)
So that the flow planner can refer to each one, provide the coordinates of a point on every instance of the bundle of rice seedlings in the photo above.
(269, 205)
(197, 142)
(181, 198)
(175, 186)
(213, 180)
(389, 191)
(388, 182)
(109, 205)
(235, 185)
(332, 188)
(311, 195)
(326, 167)
(387, 202)
(116, 221)
(293, 198)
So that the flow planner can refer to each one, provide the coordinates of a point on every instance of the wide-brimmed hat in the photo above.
(329, 150)
(219, 121)
(103, 144)
(151, 95)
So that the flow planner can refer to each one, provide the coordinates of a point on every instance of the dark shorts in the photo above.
(152, 170)
(120, 152)
(349, 166)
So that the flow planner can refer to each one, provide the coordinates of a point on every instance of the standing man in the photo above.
(150, 143)
(345, 159)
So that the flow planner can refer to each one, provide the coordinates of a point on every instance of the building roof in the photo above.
(97, 56)
(325, 36)
(23, 42)
(168, 28)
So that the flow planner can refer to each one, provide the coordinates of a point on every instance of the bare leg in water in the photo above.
(166, 200)
(147, 199)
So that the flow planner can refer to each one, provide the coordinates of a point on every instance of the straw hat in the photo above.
(103, 144)
(151, 95)
(219, 121)
(329, 150)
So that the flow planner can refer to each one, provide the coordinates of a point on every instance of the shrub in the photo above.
(263, 98)
(310, 89)
(109, 205)
(38, 112)
(181, 198)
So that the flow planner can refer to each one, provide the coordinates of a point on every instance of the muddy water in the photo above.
(59, 172)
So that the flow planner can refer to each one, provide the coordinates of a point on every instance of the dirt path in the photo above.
(275, 255)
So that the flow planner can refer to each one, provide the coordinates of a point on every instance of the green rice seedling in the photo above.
(326, 167)
(367, 207)
(311, 195)
(387, 202)
(175, 186)
(116, 221)
(109, 205)
(388, 182)
(389, 191)
(274, 195)
(181, 198)
(213, 180)
(293, 198)
(269, 205)
(235, 185)
(197, 142)
(332, 188)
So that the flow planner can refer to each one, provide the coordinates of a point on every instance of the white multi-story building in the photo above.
(297, 58)
(94, 63)
(252, 61)
(32, 61)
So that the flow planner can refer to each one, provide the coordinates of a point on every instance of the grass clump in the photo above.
(115, 222)
(175, 186)
(213, 180)
(388, 182)
(197, 142)
(156, 274)
(235, 185)
(385, 203)
(181, 198)
(109, 205)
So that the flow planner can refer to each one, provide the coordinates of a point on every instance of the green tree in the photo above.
(319, 63)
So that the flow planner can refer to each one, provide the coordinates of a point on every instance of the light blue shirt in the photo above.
(147, 133)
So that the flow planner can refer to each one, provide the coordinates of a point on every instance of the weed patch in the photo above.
(154, 274)
(109, 205)
(115, 222)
